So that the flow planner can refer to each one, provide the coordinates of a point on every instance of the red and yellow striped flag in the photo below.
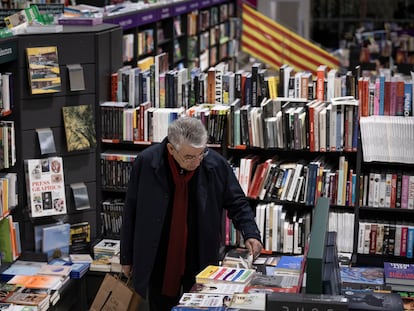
(276, 45)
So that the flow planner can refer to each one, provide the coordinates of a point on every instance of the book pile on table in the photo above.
(399, 276)
(77, 270)
(106, 248)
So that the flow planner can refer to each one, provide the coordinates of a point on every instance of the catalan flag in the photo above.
(276, 45)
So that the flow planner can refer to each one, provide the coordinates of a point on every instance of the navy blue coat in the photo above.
(147, 201)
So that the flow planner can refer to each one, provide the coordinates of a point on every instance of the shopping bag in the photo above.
(114, 294)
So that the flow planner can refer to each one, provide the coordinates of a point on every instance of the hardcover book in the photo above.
(362, 277)
(217, 288)
(399, 273)
(79, 126)
(45, 186)
(44, 71)
(55, 241)
(248, 301)
(204, 300)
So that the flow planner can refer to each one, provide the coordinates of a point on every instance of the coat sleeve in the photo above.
(238, 207)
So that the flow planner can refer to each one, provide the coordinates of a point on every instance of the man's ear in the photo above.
(170, 148)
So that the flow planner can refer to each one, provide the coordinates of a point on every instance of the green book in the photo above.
(6, 245)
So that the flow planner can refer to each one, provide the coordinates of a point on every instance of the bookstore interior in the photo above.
(317, 123)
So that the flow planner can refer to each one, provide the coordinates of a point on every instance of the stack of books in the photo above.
(221, 274)
(399, 276)
(106, 248)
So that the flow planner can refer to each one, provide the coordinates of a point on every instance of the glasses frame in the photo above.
(188, 158)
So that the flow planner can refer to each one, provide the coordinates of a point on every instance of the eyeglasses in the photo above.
(190, 158)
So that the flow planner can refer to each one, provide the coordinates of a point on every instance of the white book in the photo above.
(292, 189)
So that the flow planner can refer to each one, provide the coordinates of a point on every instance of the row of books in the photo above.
(388, 189)
(116, 166)
(6, 92)
(8, 190)
(387, 139)
(301, 182)
(385, 238)
(111, 216)
(7, 144)
(281, 231)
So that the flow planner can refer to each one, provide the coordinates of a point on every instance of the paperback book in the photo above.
(79, 127)
(362, 277)
(399, 273)
(222, 274)
(44, 71)
(45, 186)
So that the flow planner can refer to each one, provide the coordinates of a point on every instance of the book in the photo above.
(248, 301)
(36, 281)
(55, 241)
(80, 258)
(80, 238)
(204, 300)
(31, 299)
(58, 270)
(277, 282)
(399, 273)
(79, 127)
(291, 264)
(370, 300)
(44, 71)
(106, 248)
(213, 273)
(45, 186)
(238, 258)
(362, 277)
(217, 288)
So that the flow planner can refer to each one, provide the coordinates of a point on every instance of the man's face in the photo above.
(188, 157)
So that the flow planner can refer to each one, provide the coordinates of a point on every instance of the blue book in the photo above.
(382, 95)
(408, 97)
(410, 242)
(289, 264)
(55, 241)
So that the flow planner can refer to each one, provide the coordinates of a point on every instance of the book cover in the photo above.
(58, 270)
(43, 68)
(362, 277)
(36, 281)
(55, 241)
(248, 301)
(79, 127)
(289, 264)
(368, 300)
(217, 288)
(219, 274)
(31, 299)
(204, 300)
(399, 273)
(45, 186)
(277, 282)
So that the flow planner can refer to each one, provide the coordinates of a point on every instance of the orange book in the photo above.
(320, 82)
(211, 85)
(36, 281)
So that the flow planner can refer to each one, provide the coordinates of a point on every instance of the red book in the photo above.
(404, 234)
(393, 190)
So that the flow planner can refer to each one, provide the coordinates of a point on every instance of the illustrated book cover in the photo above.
(204, 300)
(43, 69)
(362, 277)
(399, 273)
(45, 187)
(219, 274)
(36, 281)
(281, 282)
(217, 288)
(79, 127)
(247, 301)
(55, 241)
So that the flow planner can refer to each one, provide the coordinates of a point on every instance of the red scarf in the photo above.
(177, 244)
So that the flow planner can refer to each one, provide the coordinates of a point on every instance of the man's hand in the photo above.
(254, 246)
(127, 270)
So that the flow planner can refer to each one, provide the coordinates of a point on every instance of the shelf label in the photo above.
(180, 9)
(8, 51)
(148, 17)
(205, 3)
(165, 12)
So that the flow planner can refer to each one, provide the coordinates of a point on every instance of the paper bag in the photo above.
(115, 295)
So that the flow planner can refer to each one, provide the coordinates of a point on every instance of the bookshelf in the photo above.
(193, 33)
(96, 50)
